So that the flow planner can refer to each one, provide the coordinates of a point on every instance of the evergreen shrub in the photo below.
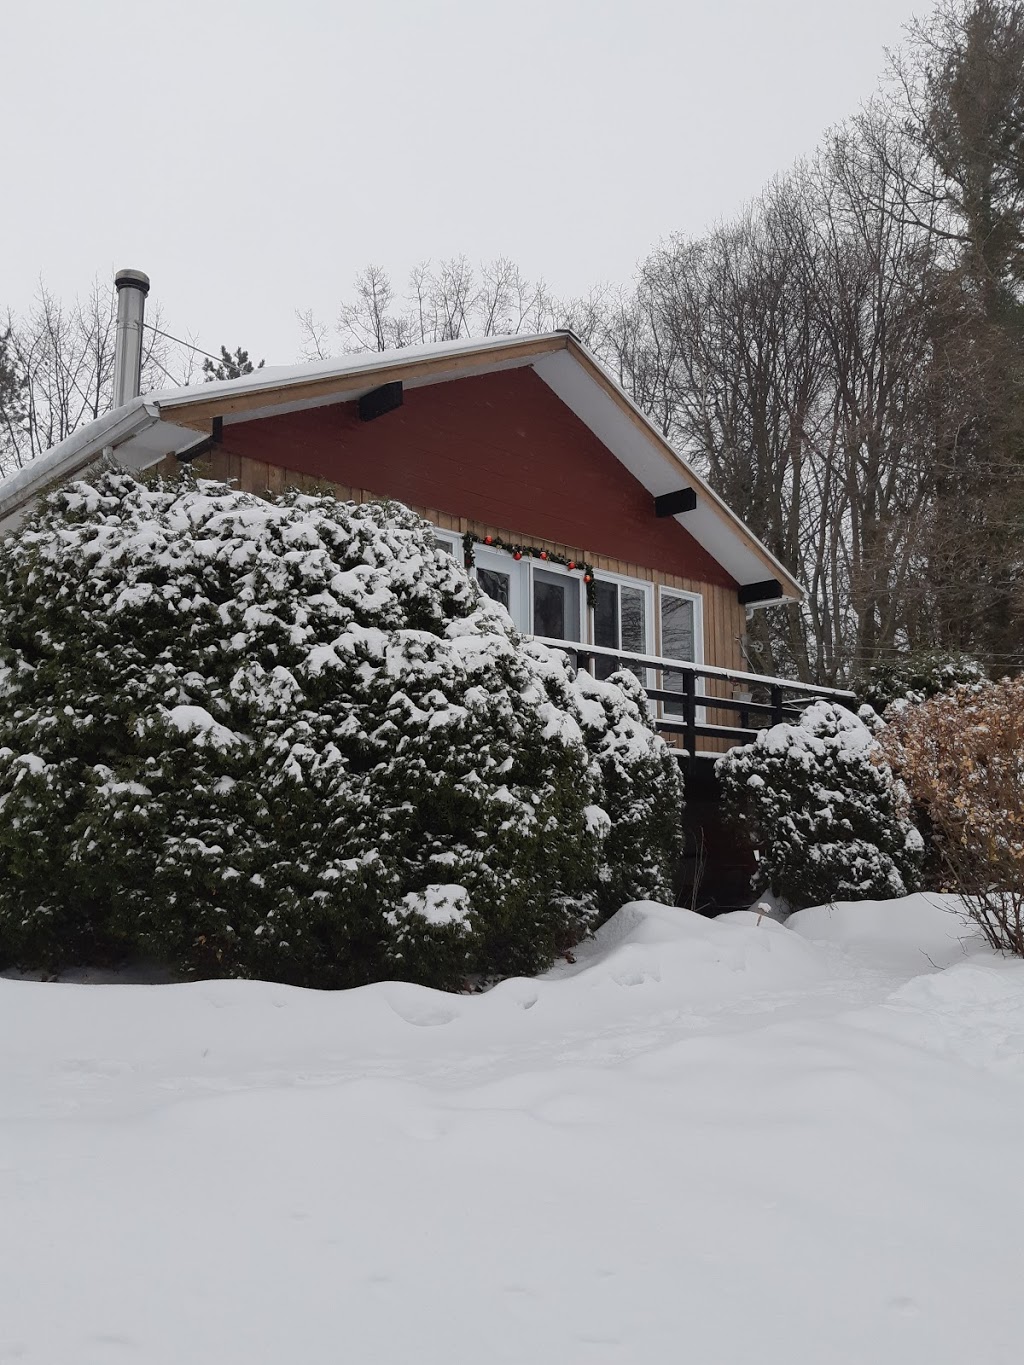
(916, 677)
(290, 739)
(823, 809)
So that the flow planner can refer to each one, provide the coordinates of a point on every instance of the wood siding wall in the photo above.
(724, 619)
(498, 449)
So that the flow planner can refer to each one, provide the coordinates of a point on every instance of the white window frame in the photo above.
(453, 539)
(517, 580)
(698, 643)
(521, 595)
(651, 606)
(535, 565)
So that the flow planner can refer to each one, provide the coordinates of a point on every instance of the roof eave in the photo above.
(182, 413)
(72, 455)
(791, 589)
(198, 409)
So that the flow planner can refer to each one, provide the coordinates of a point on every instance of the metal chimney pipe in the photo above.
(132, 287)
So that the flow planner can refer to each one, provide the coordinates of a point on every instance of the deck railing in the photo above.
(687, 697)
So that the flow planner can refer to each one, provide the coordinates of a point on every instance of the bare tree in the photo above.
(62, 358)
(316, 335)
(791, 355)
(955, 97)
(444, 301)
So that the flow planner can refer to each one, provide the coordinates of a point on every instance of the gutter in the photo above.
(71, 456)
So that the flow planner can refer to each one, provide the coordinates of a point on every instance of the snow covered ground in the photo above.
(706, 1141)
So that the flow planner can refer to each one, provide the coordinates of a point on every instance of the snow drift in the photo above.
(712, 1141)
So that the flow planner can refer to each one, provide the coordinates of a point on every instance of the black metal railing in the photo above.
(687, 697)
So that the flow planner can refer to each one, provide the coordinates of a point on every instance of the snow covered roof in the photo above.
(169, 421)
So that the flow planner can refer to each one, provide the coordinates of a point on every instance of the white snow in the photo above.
(720, 1142)
(197, 721)
(439, 903)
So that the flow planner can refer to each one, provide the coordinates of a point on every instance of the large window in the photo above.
(544, 599)
(680, 635)
(622, 620)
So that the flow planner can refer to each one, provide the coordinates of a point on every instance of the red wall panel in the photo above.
(498, 448)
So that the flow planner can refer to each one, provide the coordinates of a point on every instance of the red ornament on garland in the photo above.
(571, 564)
(543, 554)
(517, 554)
(488, 540)
(587, 578)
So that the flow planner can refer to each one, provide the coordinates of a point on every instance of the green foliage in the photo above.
(291, 740)
(229, 366)
(824, 811)
(643, 794)
(916, 677)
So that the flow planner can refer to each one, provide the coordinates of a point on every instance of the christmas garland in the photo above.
(470, 541)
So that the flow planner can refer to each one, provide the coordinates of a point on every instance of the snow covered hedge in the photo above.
(824, 810)
(292, 740)
(916, 677)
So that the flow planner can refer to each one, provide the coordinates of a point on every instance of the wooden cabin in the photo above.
(535, 468)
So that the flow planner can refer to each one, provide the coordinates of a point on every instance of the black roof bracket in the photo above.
(768, 590)
(379, 401)
(671, 504)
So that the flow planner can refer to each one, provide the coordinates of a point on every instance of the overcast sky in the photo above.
(252, 157)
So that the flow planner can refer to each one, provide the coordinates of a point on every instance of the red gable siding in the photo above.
(500, 449)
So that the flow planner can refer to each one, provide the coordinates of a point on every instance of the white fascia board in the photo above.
(596, 409)
(710, 529)
(638, 447)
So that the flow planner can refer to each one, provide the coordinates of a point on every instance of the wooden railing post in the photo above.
(777, 713)
(690, 711)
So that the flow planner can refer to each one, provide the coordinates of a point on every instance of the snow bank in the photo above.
(711, 1141)
(930, 928)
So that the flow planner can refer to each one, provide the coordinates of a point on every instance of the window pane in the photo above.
(676, 627)
(634, 619)
(496, 585)
(606, 614)
(556, 606)
(444, 545)
(676, 640)
(606, 625)
(548, 610)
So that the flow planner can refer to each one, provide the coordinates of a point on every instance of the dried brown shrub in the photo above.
(961, 755)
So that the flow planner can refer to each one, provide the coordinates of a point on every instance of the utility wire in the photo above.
(187, 344)
(152, 360)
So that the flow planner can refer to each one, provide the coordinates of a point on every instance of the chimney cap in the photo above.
(132, 279)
